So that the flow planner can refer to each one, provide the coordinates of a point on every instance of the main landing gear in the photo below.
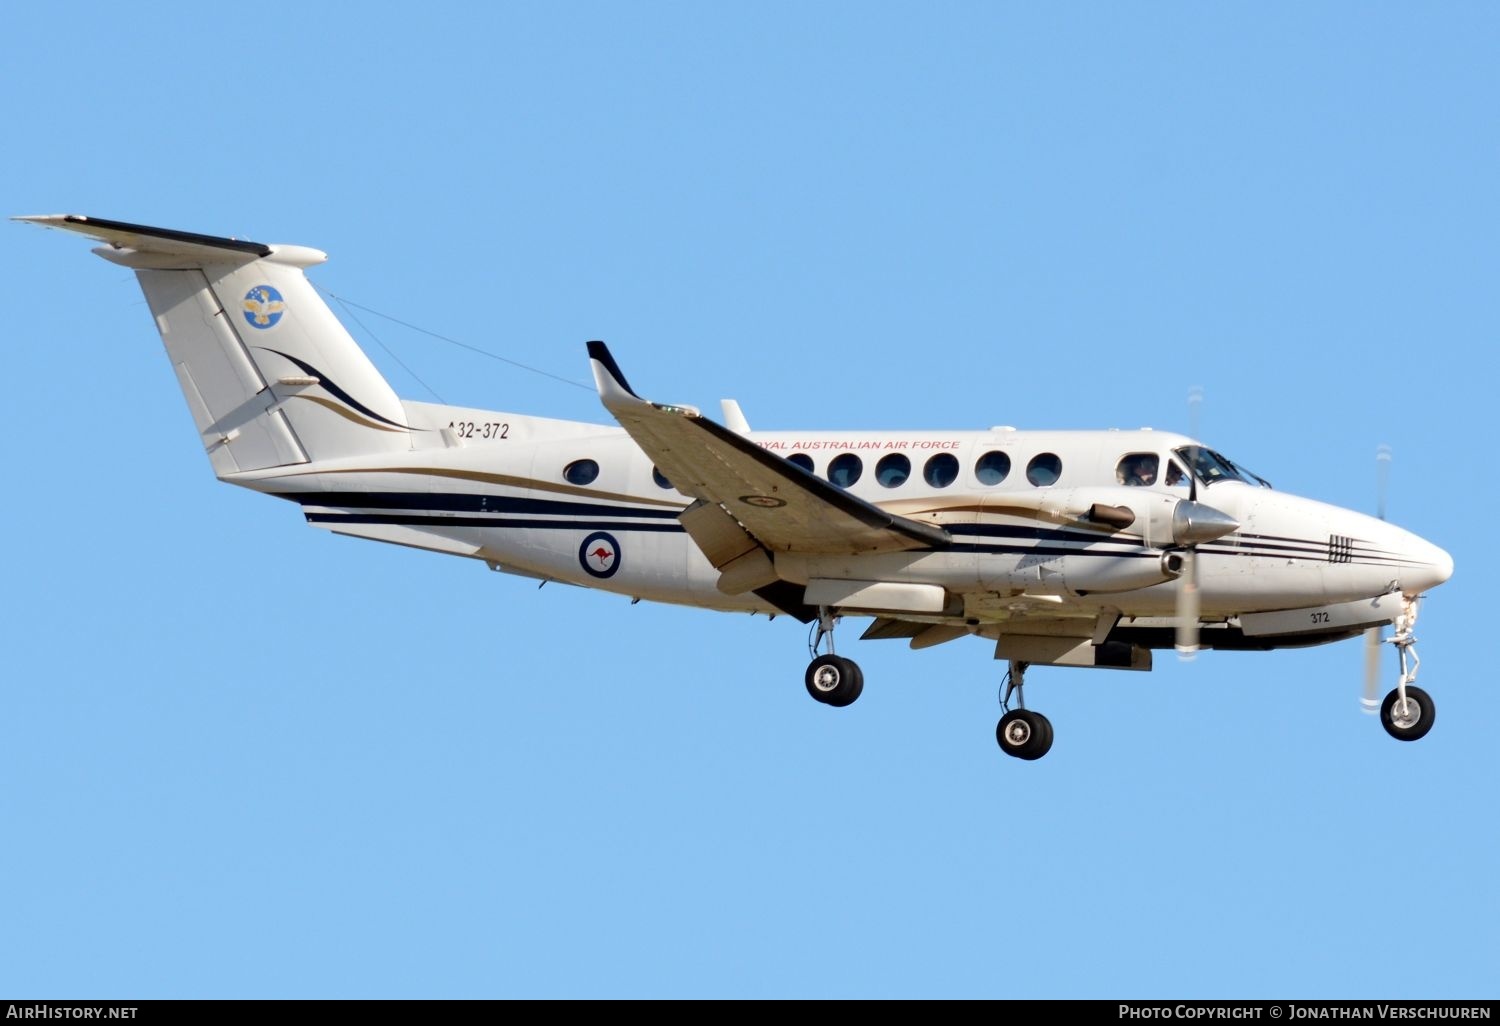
(1021, 732)
(1407, 712)
(832, 679)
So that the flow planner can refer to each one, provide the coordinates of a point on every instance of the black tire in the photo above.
(1042, 743)
(855, 689)
(1024, 734)
(1417, 721)
(834, 680)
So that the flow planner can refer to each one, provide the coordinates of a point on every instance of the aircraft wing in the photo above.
(785, 508)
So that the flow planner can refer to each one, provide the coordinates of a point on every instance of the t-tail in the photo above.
(270, 375)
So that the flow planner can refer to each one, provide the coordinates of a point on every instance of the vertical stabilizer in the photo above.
(270, 375)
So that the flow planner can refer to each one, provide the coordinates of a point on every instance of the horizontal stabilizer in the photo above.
(141, 246)
(145, 239)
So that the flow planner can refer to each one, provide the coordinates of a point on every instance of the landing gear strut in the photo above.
(831, 679)
(1021, 732)
(1407, 712)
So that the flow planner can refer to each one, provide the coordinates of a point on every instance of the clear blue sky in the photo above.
(243, 758)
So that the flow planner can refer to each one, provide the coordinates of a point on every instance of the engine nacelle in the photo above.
(1158, 518)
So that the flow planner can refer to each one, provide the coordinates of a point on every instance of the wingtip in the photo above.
(607, 373)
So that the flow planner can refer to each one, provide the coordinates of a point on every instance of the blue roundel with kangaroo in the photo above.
(600, 554)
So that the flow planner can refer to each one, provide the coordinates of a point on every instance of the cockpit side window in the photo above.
(1137, 469)
(1176, 476)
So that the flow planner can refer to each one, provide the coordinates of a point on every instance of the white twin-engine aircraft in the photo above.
(1064, 548)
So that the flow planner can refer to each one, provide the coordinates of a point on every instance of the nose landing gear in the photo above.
(1407, 713)
(1407, 717)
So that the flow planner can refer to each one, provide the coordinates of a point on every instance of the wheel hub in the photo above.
(1406, 714)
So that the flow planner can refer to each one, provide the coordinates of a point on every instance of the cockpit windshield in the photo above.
(1210, 467)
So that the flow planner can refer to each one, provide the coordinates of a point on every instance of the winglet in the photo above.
(608, 377)
(712, 463)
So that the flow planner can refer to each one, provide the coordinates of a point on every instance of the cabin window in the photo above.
(892, 470)
(992, 468)
(802, 460)
(581, 472)
(660, 478)
(941, 471)
(845, 469)
(1137, 469)
(1044, 469)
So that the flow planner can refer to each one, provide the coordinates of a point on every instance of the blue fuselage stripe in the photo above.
(418, 520)
(447, 509)
(458, 502)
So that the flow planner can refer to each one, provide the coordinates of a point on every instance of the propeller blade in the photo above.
(1187, 593)
(1370, 703)
(1370, 700)
(1382, 477)
(1187, 607)
(1195, 409)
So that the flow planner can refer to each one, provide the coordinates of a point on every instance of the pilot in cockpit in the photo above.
(1137, 469)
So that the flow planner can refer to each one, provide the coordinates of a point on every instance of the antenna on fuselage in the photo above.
(1370, 700)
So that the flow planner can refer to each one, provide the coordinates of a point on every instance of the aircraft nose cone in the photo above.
(1441, 564)
(1433, 566)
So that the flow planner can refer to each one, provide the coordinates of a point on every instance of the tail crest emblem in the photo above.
(263, 307)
